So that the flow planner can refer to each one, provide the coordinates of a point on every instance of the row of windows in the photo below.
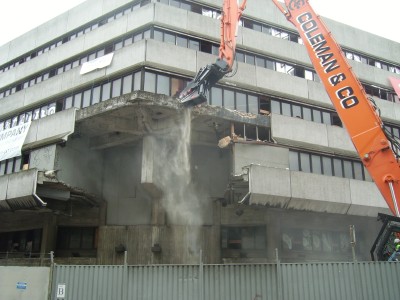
(326, 165)
(295, 239)
(83, 30)
(12, 165)
(274, 31)
(372, 62)
(34, 114)
(305, 112)
(192, 43)
(278, 32)
(261, 61)
(158, 83)
(118, 44)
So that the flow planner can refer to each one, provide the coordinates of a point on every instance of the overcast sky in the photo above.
(379, 17)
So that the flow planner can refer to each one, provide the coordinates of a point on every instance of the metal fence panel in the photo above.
(308, 281)
(233, 282)
(89, 282)
(163, 282)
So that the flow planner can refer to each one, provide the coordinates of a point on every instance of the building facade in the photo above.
(114, 169)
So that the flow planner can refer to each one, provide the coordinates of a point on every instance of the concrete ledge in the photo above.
(312, 192)
(311, 135)
(17, 190)
(50, 129)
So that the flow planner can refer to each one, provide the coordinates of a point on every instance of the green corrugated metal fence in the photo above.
(308, 281)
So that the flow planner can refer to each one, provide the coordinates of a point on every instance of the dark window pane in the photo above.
(195, 45)
(294, 161)
(127, 84)
(163, 84)
(275, 107)
(239, 57)
(317, 116)
(241, 102)
(181, 41)
(116, 88)
(150, 82)
(327, 165)
(260, 61)
(296, 111)
(68, 102)
(270, 64)
(229, 99)
(106, 89)
(253, 104)
(250, 59)
(137, 80)
(348, 170)
(216, 96)
(96, 95)
(169, 38)
(307, 114)
(337, 167)
(286, 109)
(326, 118)
(158, 35)
(78, 100)
(316, 164)
(358, 171)
(86, 98)
(305, 162)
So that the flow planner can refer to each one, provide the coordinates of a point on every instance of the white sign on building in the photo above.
(12, 139)
(97, 63)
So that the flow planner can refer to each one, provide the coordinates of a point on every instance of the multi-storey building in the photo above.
(113, 163)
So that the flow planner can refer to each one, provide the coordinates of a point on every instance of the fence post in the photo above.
(201, 276)
(51, 272)
(278, 275)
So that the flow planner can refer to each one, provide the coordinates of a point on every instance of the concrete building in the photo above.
(112, 162)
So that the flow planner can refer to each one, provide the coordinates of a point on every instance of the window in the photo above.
(25, 242)
(76, 238)
(216, 96)
(253, 104)
(243, 238)
(150, 82)
(86, 98)
(96, 94)
(325, 241)
(241, 102)
(106, 90)
(116, 88)
(229, 99)
(127, 84)
(163, 84)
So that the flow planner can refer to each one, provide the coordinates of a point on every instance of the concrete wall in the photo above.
(247, 154)
(80, 167)
(311, 135)
(311, 192)
(51, 129)
(128, 202)
(34, 279)
(182, 60)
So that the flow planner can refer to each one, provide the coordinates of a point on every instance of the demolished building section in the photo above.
(114, 169)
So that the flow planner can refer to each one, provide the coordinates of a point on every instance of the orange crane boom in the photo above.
(359, 116)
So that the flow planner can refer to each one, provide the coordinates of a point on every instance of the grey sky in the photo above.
(378, 17)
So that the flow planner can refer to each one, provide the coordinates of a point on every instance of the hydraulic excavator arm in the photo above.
(196, 91)
(378, 151)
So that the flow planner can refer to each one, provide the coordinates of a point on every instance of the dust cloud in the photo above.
(181, 201)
